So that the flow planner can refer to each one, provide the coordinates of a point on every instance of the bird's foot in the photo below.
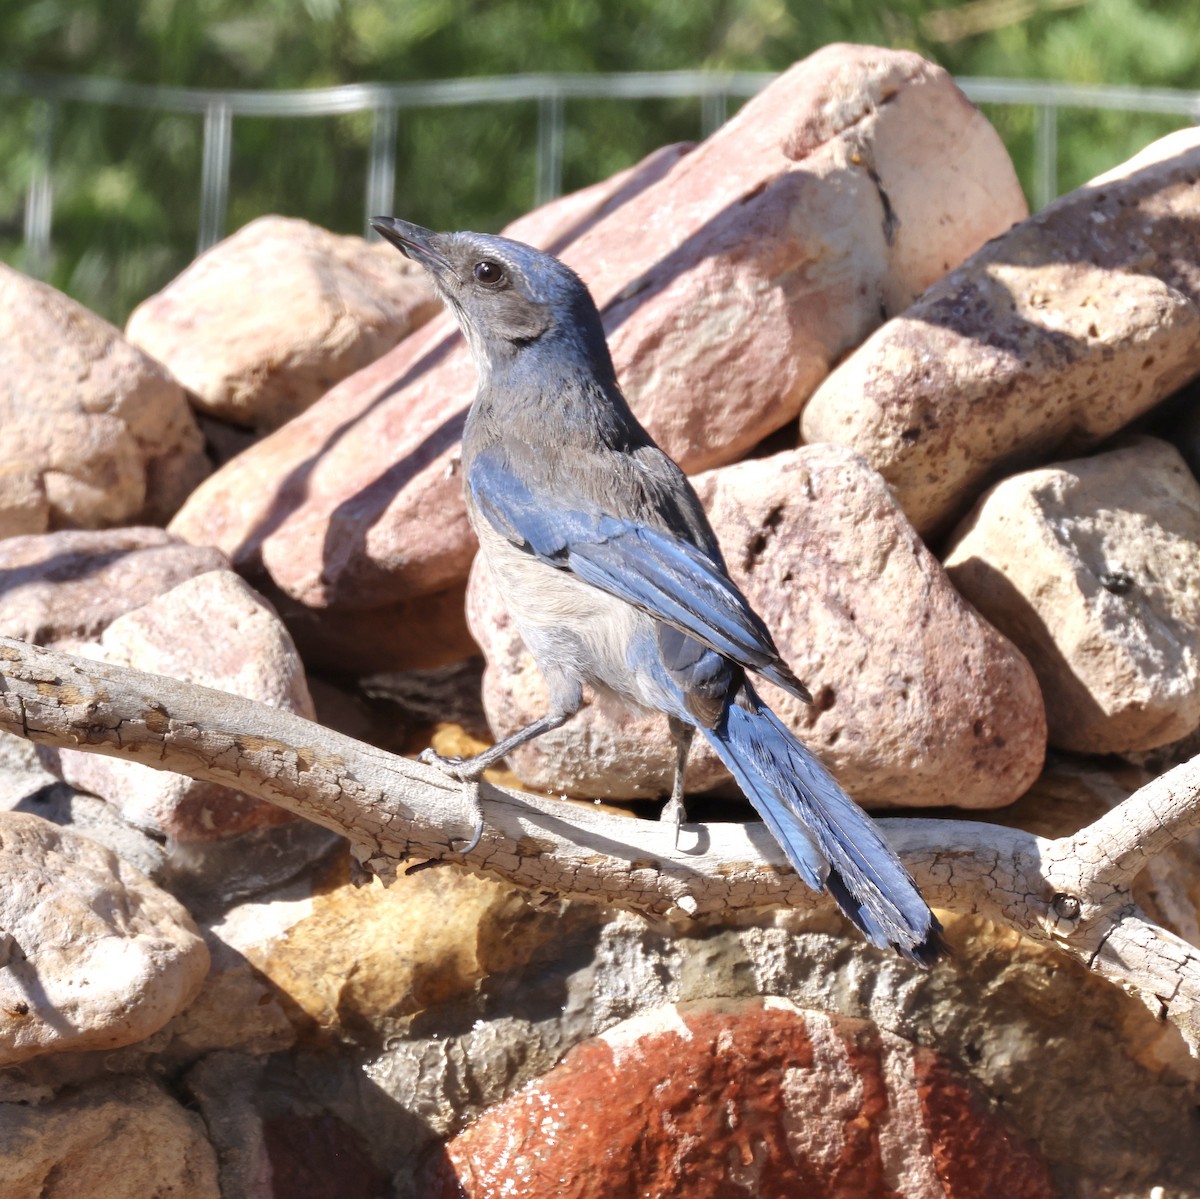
(466, 772)
(462, 770)
(673, 813)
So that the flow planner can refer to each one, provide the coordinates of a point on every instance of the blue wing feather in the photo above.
(659, 573)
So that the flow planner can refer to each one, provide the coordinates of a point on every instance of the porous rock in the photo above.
(1112, 1112)
(1049, 339)
(268, 320)
(95, 955)
(728, 289)
(917, 701)
(749, 1097)
(174, 635)
(99, 432)
(1092, 566)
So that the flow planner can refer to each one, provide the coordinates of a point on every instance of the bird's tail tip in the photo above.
(920, 938)
(829, 840)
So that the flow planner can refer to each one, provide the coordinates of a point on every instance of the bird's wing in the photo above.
(655, 571)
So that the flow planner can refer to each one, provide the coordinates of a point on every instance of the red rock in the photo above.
(745, 1098)
(729, 287)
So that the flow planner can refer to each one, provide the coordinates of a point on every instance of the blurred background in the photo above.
(111, 178)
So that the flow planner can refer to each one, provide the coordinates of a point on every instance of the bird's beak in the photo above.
(414, 242)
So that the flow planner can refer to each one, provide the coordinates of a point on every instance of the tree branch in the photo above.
(1072, 892)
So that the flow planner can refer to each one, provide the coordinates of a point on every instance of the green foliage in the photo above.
(127, 181)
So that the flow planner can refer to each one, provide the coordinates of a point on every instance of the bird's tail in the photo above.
(828, 838)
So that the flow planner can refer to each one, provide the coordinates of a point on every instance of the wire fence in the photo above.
(551, 94)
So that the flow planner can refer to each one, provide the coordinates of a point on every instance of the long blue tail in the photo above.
(828, 838)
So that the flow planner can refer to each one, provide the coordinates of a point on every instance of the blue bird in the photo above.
(600, 550)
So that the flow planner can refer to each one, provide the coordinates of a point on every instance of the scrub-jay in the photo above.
(601, 552)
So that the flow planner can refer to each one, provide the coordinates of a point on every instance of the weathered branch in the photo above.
(1072, 892)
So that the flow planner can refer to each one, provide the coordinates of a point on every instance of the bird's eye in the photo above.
(489, 273)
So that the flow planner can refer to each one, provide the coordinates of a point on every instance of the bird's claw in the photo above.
(673, 813)
(477, 835)
(462, 771)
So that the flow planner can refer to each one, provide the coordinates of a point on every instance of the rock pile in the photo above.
(917, 418)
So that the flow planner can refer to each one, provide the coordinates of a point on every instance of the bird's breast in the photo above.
(569, 626)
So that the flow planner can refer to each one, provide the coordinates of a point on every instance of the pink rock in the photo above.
(729, 287)
(1047, 341)
(95, 955)
(72, 585)
(268, 320)
(1092, 567)
(748, 1098)
(917, 700)
(24, 505)
(376, 459)
(102, 428)
(212, 630)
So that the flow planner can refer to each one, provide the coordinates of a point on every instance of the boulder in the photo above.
(95, 956)
(96, 432)
(1045, 342)
(1092, 567)
(174, 635)
(917, 701)
(268, 320)
(729, 287)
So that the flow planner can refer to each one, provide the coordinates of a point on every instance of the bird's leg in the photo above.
(468, 771)
(673, 811)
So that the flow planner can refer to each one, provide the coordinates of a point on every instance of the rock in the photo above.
(119, 1139)
(236, 1008)
(728, 287)
(24, 505)
(746, 1098)
(1112, 1111)
(174, 635)
(424, 633)
(91, 421)
(72, 585)
(97, 821)
(275, 1146)
(22, 772)
(265, 322)
(1048, 340)
(348, 962)
(95, 955)
(918, 702)
(1092, 567)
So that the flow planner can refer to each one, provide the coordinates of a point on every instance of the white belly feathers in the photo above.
(569, 626)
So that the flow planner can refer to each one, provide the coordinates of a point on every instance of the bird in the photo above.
(601, 552)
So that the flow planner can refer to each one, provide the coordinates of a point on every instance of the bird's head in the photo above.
(509, 298)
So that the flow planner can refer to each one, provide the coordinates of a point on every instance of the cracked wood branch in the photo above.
(1072, 892)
